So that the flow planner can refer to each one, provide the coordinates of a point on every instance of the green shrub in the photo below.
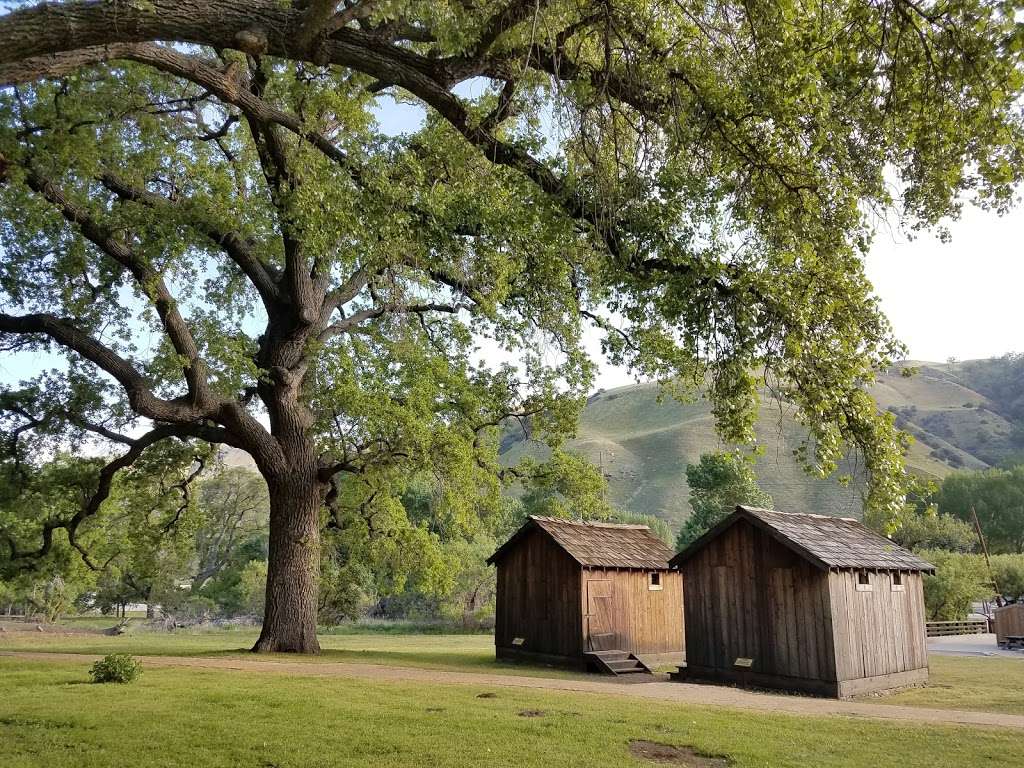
(115, 668)
(927, 529)
(1008, 571)
(959, 580)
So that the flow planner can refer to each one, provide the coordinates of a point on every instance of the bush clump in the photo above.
(115, 668)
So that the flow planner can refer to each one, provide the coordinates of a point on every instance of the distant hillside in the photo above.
(965, 415)
(644, 445)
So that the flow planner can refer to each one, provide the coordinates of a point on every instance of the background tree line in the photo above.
(202, 555)
(197, 550)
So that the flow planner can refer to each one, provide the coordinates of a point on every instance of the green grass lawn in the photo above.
(964, 682)
(50, 715)
(956, 682)
(466, 653)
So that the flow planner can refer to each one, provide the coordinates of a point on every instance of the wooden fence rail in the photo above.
(968, 627)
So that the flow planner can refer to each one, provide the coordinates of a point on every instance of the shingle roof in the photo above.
(828, 542)
(607, 545)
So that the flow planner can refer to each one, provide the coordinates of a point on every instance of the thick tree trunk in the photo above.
(293, 567)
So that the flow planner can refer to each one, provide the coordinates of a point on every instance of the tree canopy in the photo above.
(136, 551)
(204, 214)
(959, 580)
(997, 496)
(719, 483)
(929, 529)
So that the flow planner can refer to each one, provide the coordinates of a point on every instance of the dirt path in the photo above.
(680, 693)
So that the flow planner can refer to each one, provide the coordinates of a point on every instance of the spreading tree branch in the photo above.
(238, 249)
(104, 485)
(149, 281)
(356, 319)
(142, 399)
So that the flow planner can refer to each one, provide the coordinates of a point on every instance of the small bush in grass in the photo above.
(115, 668)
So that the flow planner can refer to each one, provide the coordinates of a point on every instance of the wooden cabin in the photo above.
(1008, 624)
(803, 602)
(589, 594)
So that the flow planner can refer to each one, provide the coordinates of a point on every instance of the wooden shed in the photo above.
(1008, 621)
(588, 595)
(803, 602)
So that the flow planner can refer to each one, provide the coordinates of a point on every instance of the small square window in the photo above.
(863, 581)
(897, 582)
(654, 580)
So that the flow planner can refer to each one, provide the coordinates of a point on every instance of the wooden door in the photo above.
(785, 650)
(601, 634)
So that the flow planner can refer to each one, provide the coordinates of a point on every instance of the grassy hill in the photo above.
(966, 415)
(644, 445)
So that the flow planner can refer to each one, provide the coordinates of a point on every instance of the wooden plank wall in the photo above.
(748, 596)
(538, 598)
(1008, 620)
(644, 621)
(878, 632)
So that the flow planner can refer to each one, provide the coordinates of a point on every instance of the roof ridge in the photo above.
(589, 523)
(826, 540)
(800, 514)
(596, 544)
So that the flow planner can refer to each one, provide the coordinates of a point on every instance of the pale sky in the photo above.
(962, 299)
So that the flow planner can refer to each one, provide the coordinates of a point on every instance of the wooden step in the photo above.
(617, 662)
(610, 655)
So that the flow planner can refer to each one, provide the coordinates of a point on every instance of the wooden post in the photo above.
(743, 667)
(984, 550)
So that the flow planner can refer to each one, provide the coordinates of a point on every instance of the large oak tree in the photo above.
(202, 211)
